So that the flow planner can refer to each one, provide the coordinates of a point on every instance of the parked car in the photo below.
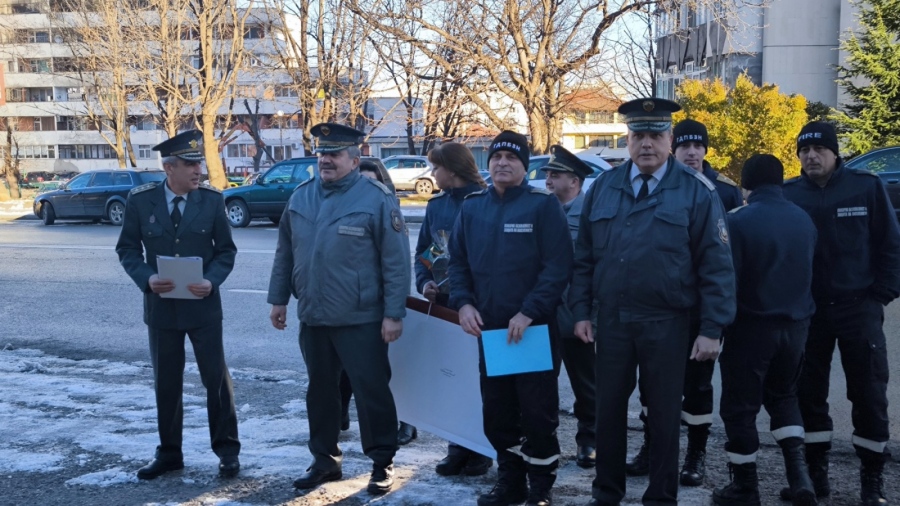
(267, 197)
(885, 162)
(538, 178)
(235, 181)
(95, 195)
(411, 173)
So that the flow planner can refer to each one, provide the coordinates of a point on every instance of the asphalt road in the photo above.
(63, 291)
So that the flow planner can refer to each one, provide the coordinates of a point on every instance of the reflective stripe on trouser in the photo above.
(737, 458)
(521, 416)
(856, 329)
(760, 364)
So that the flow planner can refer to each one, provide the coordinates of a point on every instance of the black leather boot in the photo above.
(694, 469)
(455, 461)
(406, 433)
(640, 464)
(743, 489)
(817, 464)
(871, 482)
(799, 482)
(512, 484)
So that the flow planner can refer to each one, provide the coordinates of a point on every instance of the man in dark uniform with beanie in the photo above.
(182, 218)
(652, 247)
(772, 244)
(690, 144)
(565, 178)
(856, 272)
(510, 260)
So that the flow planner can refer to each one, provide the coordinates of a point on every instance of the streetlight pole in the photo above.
(280, 115)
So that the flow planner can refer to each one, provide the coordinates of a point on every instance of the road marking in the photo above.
(241, 290)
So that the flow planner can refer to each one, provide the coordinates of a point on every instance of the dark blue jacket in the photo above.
(772, 244)
(440, 214)
(655, 259)
(729, 192)
(509, 255)
(858, 252)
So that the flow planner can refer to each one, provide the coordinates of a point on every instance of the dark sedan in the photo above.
(267, 197)
(95, 195)
(885, 162)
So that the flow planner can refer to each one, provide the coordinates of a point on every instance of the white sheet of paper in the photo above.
(435, 381)
(183, 271)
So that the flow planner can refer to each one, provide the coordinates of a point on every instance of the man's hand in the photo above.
(158, 285)
(278, 316)
(201, 289)
(470, 320)
(391, 329)
(705, 349)
(584, 331)
(430, 290)
(517, 327)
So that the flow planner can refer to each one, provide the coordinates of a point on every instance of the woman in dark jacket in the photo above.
(457, 176)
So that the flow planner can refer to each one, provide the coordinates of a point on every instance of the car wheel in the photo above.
(238, 214)
(116, 213)
(47, 214)
(275, 219)
(424, 187)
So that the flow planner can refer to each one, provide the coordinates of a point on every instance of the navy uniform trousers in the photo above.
(760, 365)
(855, 326)
(167, 357)
(656, 349)
(362, 353)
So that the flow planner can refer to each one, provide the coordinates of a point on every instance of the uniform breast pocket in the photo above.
(201, 228)
(670, 230)
(151, 230)
(601, 222)
(852, 232)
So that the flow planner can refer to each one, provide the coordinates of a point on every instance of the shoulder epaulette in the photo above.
(542, 191)
(792, 180)
(736, 209)
(478, 193)
(205, 186)
(381, 186)
(700, 177)
(725, 179)
(144, 187)
(302, 183)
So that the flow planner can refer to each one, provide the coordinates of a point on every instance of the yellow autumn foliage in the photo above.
(743, 121)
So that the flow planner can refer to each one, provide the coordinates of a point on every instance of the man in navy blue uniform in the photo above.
(652, 247)
(510, 260)
(565, 178)
(180, 217)
(772, 244)
(856, 272)
(690, 144)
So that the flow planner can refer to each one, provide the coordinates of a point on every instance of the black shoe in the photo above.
(158, 467)
(382, 479)
(586, 456)
(504, 495)
(539, 498)
(453, 464)
(229, 466)
(312, 478)
(795, 469)
(871, 480)
(817, 464)
(694, 469)
(743, 489)
(406, 434)
(640, 464)
(477, 465)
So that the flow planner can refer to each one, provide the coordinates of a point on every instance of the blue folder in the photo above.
(531, 354)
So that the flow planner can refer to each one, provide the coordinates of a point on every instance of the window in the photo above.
(121, 179)
(35, 152)
(281, 152)
(286, 91)
(254, 32)
(102, 179)
(38, 36)
(79, 182)
(280, 174)
(304, 171)
(146, 152)
(86, 151)
(601, 141)
(38, 66)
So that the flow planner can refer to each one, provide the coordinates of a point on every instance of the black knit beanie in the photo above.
(818, 133)
(761, 170)
(511, 141)
(689, 130)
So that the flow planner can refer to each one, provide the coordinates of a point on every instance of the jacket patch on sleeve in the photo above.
(397, 220)
(723, 231)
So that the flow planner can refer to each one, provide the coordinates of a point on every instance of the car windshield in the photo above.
(887, 160)
(149, 177)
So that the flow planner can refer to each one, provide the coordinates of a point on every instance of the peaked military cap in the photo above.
(186, 145)
(648, 114)
(562, 160)
(333, 137)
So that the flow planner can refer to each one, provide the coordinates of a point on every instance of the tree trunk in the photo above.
(214, 166)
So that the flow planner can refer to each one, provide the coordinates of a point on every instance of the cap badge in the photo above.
(648, 105)
(193, 143)
(325, 131)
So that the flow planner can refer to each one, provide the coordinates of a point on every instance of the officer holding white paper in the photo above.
(510, 259)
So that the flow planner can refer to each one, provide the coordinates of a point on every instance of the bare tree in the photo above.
(533, 53)
(629, 61)
(11, 165)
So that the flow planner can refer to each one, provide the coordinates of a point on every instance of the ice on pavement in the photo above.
(58, 414)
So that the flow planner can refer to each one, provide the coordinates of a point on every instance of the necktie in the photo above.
(645, 186)
(176, 213)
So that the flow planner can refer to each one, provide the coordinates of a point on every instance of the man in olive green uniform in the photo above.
(343, 252)
(180, 218)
